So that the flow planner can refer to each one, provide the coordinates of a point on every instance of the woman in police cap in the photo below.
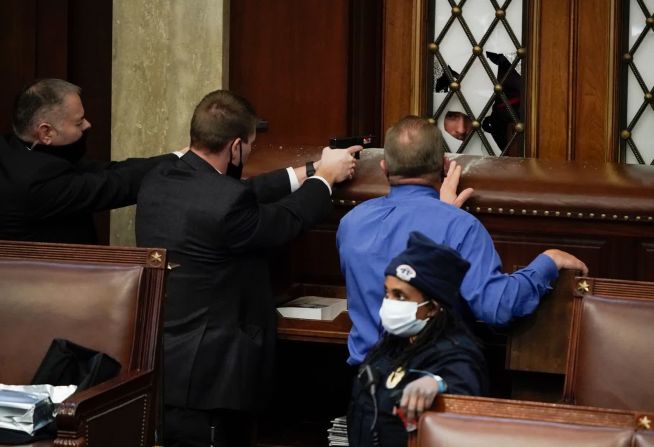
(426, 349)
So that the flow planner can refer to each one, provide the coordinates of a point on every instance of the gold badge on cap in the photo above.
(394, 378)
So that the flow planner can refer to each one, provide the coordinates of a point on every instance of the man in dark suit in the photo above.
(49, 192)
(219, 320)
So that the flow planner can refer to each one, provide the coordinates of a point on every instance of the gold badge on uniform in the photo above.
(394, 378)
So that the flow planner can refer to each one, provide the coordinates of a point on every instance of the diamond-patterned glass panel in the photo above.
(475, 75)
(637, 136)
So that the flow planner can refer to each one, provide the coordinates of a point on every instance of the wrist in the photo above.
(442, 386)
(310, 169)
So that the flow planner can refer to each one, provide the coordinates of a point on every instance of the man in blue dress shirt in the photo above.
(375, 231)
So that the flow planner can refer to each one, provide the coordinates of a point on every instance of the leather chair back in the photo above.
(92, 305)
(105, 298)
(455, 430)
(644, 438)
(477, 421)
(611, 361)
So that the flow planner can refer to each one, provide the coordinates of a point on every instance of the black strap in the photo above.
(311, 170)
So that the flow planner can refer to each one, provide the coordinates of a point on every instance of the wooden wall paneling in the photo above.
(89, 55)
(595, 130)
(17, 52)
(315, 257)
(365, 73)
(550, 81)
(89, 66)
(291, 60)
(52, 39)
(645, 260)
(519, 250)
(397, 61)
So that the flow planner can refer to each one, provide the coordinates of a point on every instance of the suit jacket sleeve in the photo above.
(271, 186)
(252, 225)
(68, 190)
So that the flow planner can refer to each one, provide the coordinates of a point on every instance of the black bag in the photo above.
(67, 363)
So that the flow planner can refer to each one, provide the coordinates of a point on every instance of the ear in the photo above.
(382, 165)
(435, 309)
(45, 133)
(234, 147)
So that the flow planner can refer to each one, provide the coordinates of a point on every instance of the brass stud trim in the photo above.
(548, 213)
(583, 286)
(155, 258)
(645, 422)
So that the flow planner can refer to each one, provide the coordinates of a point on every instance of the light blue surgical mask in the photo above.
(399, 317)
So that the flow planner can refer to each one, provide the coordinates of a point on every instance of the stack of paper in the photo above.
(313, 308)
(337, 435)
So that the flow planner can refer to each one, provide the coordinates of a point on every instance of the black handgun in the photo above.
(345, 142)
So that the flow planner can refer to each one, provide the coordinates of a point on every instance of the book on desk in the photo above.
(313, 308)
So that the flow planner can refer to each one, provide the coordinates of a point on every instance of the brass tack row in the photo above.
(570, 214)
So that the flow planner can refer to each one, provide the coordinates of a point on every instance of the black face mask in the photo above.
(235, 171)
(72, 152)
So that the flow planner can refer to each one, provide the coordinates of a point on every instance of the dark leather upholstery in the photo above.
(105, 298)
(456, 421)
(611, 362)
(644, 438)
(43, 300)
(455, 430)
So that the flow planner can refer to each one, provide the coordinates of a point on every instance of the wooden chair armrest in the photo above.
(102, 398)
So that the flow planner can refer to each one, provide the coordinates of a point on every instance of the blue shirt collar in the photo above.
(401, 191)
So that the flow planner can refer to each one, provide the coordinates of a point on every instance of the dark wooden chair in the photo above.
(611, 360)
(456, 421)
(105, 298)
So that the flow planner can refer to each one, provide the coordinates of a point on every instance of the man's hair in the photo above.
(221, 116)
(39, 100)
(413, 147)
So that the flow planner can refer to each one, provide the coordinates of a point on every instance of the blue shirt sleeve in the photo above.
(495, 297)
